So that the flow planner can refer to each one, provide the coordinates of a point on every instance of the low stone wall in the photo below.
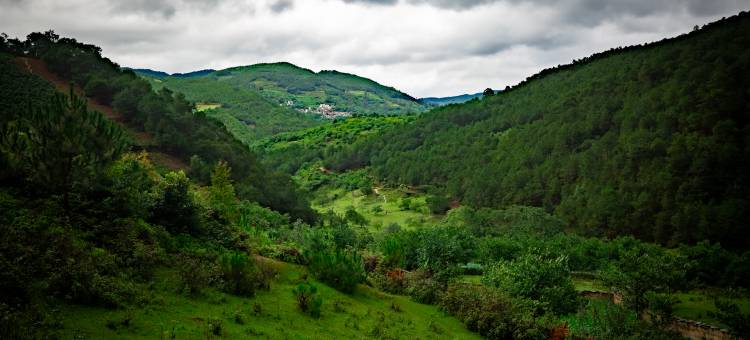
(688, 328)
(698, 330)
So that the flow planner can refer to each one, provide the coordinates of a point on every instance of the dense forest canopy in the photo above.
(167, 116)
(649, 140)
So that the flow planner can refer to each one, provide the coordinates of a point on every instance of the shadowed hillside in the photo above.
(649, 140)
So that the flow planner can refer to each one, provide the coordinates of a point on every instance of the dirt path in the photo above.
(39, 68)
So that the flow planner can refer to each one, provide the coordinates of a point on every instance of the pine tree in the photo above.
(62, 145)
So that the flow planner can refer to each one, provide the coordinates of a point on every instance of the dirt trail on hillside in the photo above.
(39, 68)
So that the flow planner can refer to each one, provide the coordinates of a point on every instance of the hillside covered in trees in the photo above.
(649, 140)
(160, 119)
(261, 100)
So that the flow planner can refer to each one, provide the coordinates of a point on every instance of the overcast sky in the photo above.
(422, 47)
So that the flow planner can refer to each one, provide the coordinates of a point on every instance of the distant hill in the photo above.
(440, 101)
(301, 89)
(298, 88)
(160, 74)
(262, 100)
(246, 114)
(649, 140)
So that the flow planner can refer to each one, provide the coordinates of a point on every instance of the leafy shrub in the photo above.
(175, 209)
(341, 269)
(389, 280)
(491, 313)
(196, 272)
(493, 249)
(604, 320)
(643, 269)
(284, 252)
(423, 287)
(438, 204)
(660, 307)
(729, 314)
(538, 278)
(308, 300)
(241, 274)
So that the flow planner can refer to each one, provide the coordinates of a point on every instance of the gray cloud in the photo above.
(163, 8)
(372, 2)
(281, 5)
(423, 47)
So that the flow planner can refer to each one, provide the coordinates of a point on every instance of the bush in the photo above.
(538, 278)
(196, 272)
(242, 275)
(308, 300)
(338, 268)
(422, 287)
(730, 314)
(438, 204)
(491, 313)
(496, 249)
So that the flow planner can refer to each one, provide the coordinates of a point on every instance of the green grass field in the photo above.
(698, 305)
(272, 314)
(388, 200)
(589, 285)
(206, 106)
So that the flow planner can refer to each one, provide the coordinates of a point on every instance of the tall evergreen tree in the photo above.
(62, 145)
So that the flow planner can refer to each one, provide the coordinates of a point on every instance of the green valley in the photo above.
(602, 199)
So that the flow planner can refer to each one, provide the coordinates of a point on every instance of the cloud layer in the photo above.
(423, 47)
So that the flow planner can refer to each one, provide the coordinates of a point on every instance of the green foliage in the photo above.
(641, 270)
(730, 314)
(175, 209)
(491, 313)
(308, 299)
(605, 320)
(62, 146)
(133, 182)
(241, 274)
(197, 272)
(340, 269)
(616, 144)
(660, 307)
(354, 217)
(221, 192)
(438, 204)
(243, 111)
(293, 151)
(511, 220)
(536, 277)
(163, 114)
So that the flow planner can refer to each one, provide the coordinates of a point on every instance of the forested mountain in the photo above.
(261, 100)
(245, 113)
(649, 140)
(166, 118)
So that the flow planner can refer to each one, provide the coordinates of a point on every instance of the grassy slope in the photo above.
(366, 313)
(340, 200)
